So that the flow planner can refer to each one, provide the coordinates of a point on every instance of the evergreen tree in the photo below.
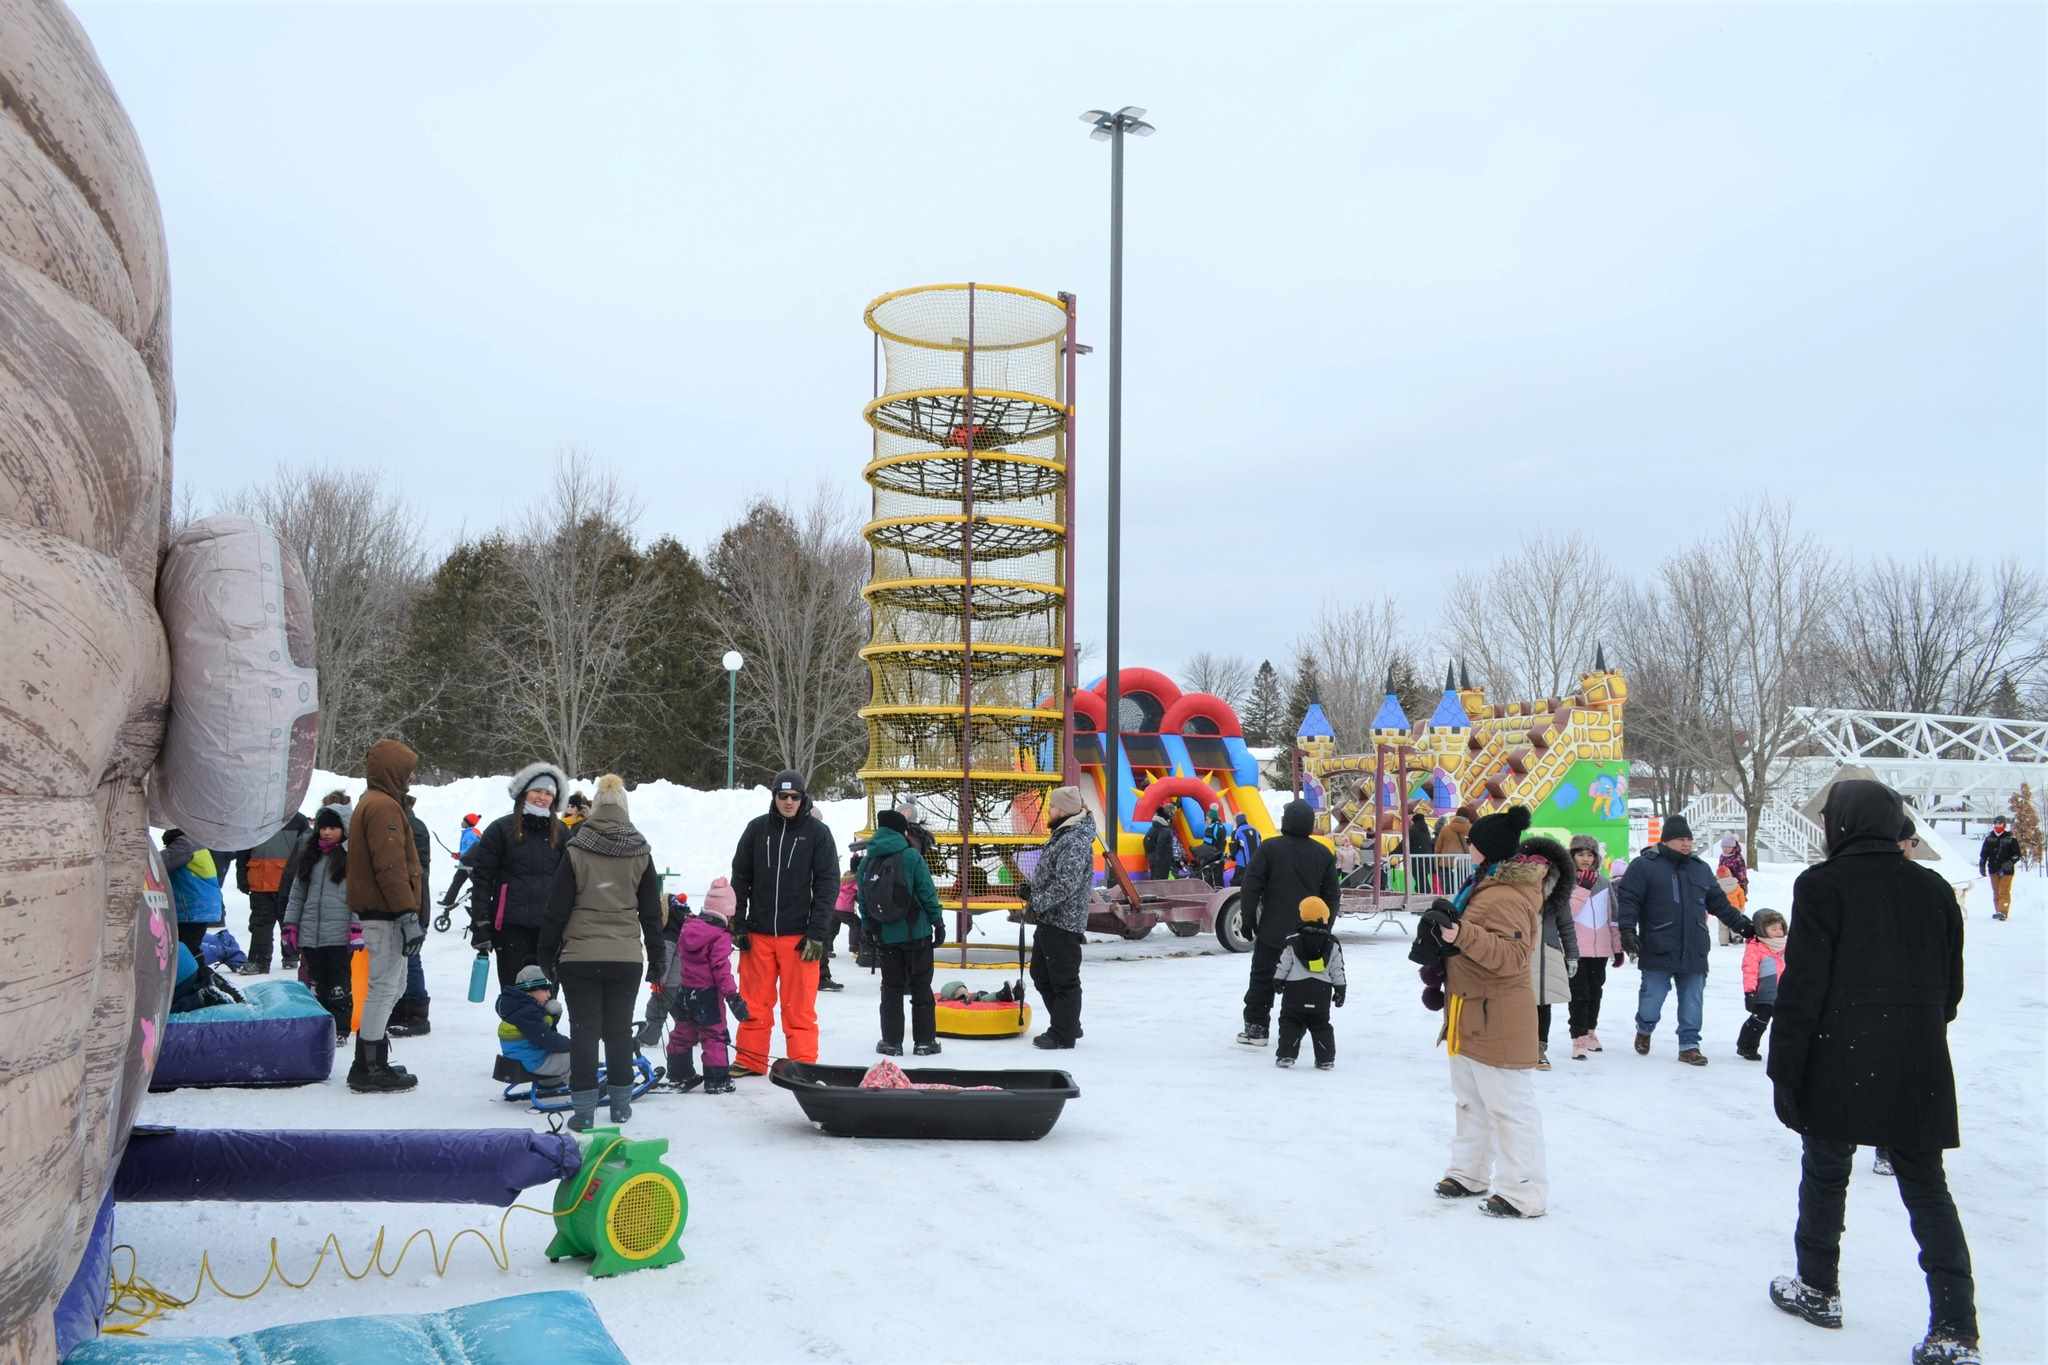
(1306, 688)
(1418, 696)
(676, 728)
(2005, 701)
(2026, 823)
(1264, 711)
(461, 730)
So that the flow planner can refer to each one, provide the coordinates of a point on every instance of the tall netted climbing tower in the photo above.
(972, 646)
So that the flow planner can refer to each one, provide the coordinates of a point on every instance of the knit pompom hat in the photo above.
(1497, 836)
(1314, 910)
(611, 791)
(719, 902)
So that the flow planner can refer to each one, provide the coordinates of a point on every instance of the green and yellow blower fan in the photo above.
(624, 1208)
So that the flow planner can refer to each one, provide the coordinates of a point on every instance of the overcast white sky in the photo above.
(1402, 282)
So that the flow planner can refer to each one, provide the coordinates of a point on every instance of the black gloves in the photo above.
(939, 935)
(412, 933)
(1631, 945)
(812, 951)
(1337, 998)
(739, 1006)
(1786, 1101)
(739, 939)
(1747, 929)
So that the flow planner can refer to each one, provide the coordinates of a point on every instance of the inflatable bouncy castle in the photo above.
(106, 720)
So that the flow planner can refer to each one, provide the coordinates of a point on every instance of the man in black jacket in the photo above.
(785, 877)
(1998, 858)
(1662, 903)
(1859, 1057)
(1288, 867)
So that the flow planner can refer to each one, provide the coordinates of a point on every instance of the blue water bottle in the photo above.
(479, 978)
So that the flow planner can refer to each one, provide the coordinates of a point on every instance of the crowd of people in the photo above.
(1854, 993)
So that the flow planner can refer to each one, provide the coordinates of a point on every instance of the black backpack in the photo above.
(885, 891)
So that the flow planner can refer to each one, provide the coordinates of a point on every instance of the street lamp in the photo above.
(1111, 128)
(733, 663)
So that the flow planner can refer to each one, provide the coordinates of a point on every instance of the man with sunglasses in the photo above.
(785, 877)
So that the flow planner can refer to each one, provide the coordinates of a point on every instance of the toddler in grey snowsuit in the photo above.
(1310, 980)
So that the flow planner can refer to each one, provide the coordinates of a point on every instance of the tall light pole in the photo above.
(1111, 128)
(733, 663)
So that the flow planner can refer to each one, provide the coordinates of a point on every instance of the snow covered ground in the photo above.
(1195, 1203)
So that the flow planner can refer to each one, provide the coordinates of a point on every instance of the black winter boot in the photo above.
(825, 981)
(930, 1049)
(372, 1074)
(1254, 1035)
(622, 1103)
(1802, 1300)
(343, 1008)
(410, 1020)
(1943, 1347)
(717, 1081)
(585, 1103)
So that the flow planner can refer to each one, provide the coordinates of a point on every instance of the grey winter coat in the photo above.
(1064, 876)
(318, 906)
(1554, 967)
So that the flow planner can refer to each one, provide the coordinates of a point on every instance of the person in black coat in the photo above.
(1859, 1055)
(1159, 845)
(518, 857)
(1288, 867)
(411, 1016)
(1661, 907)
(1998, 857)
(785, 876)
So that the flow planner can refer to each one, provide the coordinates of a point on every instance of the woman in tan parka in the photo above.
(1490, 1025)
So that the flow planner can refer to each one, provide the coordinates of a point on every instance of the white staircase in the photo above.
(1783, 834)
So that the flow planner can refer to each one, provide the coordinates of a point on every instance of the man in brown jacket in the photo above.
(384, 894)
(1490, 1026)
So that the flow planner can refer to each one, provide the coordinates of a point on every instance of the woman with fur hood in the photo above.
(1558, 964)
(512, 870)
(1490, 1023)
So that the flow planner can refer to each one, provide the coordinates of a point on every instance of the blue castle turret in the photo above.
(1391, 716)
(1450, 710)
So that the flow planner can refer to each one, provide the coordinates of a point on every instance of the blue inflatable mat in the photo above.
(557, 1327)
(281, 1035)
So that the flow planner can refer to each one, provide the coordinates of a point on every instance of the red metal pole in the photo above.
(1070, 769)
(967, 636)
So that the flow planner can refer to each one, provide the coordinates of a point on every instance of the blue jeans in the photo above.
(1692, 992)
(415, 982)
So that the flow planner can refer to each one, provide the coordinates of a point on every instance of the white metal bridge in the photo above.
(1942, 765)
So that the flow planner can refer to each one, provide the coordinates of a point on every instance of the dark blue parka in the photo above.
(1665, 898)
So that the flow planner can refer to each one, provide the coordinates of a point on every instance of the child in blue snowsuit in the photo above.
(527, 1011)
(195, 889)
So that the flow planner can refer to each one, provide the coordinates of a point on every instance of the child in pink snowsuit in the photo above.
(698, 985)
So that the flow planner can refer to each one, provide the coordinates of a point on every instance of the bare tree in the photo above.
(1940, 637)
(573, 600)
(1529, 623)
(1352, 644)
(1662, 636)
(1228, 676)
(362, 552)
(1766, 595)
(789, 600)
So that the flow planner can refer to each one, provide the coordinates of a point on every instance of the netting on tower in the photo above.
(967, 586)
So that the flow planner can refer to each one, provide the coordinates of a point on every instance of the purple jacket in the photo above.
(703, 957)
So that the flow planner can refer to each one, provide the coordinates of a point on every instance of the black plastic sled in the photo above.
(1025, 1105)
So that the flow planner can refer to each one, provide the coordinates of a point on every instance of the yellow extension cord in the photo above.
(143, 1303)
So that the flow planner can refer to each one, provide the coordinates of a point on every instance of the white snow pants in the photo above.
(1499, 1142)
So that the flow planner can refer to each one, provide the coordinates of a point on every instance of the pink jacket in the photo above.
(1593, 918)
(703, 958)
(1752, 965)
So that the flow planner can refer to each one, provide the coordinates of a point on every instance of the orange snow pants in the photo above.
(771, 964)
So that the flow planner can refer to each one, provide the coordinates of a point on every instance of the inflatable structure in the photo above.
(278, 1035)
(1559, 756)
(1183, 750)
(86, 677)
(970, 561)
(558, 1327)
